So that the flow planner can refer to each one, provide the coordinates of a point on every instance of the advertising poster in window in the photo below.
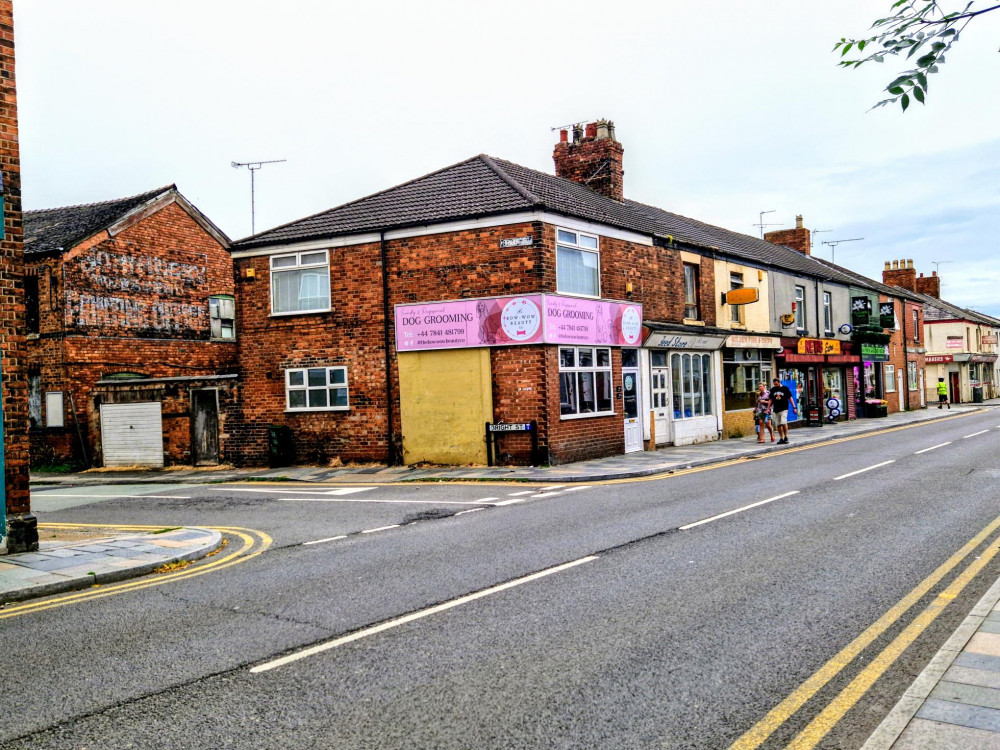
(512, 321)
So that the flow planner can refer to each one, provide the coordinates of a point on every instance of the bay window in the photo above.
(692, 385)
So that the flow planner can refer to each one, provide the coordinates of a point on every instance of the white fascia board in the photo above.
(455, 226)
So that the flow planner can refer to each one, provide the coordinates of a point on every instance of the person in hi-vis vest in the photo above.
(942, 388)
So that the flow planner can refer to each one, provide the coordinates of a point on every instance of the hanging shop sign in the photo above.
(989, 338)
(518, 241)
(512, 321)
(938, 359)
(887, 314)
(874, 352)
(861, 311)
(749, 341)
(788, 320)
(819, 346)
(744, 296)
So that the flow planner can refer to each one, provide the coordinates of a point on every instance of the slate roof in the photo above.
(485, 186)
(58, 229)
(938, 309)
(865, 282)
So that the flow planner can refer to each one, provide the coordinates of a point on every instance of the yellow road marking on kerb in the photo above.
(250, 539)
(784, 710)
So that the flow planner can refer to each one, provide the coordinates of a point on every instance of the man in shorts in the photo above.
(781, 397)
(942, 389)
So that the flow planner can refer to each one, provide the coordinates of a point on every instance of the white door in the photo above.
(630, 403)
(923, 396)
(132, 434)
(661, 403)
(902, 394)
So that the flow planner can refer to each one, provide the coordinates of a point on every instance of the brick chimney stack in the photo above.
(799, 238)
(593, 158)
(900, 273)
(929, 285)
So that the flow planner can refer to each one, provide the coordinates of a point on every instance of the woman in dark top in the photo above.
(762, 413)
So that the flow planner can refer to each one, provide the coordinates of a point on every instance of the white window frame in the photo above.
(331, 383)
(687, 390)
(736, 311)
(911, 376)
(577, 375)
(695, 300)
(218, 307)
(889, 378)
(916, 327)
(54, 409)
(800, 308)
(563, 240)
(827, 313)
(302, 261)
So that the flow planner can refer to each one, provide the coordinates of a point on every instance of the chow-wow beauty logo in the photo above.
(631, 325)
(520, 319)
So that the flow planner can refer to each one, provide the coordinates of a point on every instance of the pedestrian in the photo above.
(942, 389)
(762, 413)
(781, 398)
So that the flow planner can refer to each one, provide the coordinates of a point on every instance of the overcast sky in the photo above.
(725, 109)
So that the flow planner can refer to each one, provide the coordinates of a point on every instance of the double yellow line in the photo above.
(821, 725)
(252, 544)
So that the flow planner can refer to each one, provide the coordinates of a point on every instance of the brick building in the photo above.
(393, 328)
(130, 319)
(17, 526)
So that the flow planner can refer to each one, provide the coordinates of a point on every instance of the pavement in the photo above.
(953, 705)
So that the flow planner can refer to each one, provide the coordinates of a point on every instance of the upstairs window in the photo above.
(222, 313)
(827, 313)
(691, 291)
(735, 311)
(316, 389)
(800, 308)
(916, 327)
(31, 307)
(578, 263)
(300, 282)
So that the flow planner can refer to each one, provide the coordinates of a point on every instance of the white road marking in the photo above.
(524, 492)
(471, 510)
(862, 471)
(348, 490)
(554, 487)
(154, 497)
(373, 502)
(486, 499)
(286, 490)
(580, 487)
(511, 502)
(547, 494)
(933, 447)
(381, 528)
(981, 432)
(328, 539)
(738, 510)
(312, 651)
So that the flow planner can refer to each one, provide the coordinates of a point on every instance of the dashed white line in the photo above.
(862, 471)
(471, 510)
(99, 497)
(373, 502)
(547, 494)
(511, 502)
(323, 541)
(579, 487)
(525, 492)
(486, 499)
(738, 510)
(933, 447)
(416, 616)
(981, 432)
(381, 528)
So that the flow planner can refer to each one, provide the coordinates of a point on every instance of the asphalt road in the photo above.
(603, 616)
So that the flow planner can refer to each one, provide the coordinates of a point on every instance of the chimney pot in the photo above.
(888, 266)
(591, 130)
(909, 263)
(921, 275)
(798, 221)
(602, 129)
(895, 265)
(593, 160)
(611, 130)
(933, 273)
(577, 132)
(563, 135)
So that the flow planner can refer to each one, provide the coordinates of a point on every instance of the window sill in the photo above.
(588, 415)
(578, 294)
(735, 326)
(313, 411)
(693, 322)
(300, 312)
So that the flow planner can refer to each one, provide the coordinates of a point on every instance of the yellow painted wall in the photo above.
(756, 316)
(445, 398)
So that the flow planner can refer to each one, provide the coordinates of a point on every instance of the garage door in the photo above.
(132, 434)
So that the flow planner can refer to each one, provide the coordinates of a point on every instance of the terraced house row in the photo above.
(486, 311)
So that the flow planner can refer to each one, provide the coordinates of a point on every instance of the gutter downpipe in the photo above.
(386, 341)
(906, 356)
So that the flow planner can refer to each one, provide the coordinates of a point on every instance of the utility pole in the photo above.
(833, 246)
(761, 223)
(253, 166)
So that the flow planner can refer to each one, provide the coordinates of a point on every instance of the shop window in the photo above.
(34, 401)
(833, 386)
(800, 308)
(890, 378)
(742, 370)
(300, 282)
(692, 385)
(222, 313)
(736, 311)
(584, 381)
(54, 409)
(578, 263)
(691, 291)
(827, 313)
(31, 307)
(911, 375)
(316, 389)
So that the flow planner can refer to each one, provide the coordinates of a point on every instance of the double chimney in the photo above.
(901, 273)
(593, 158)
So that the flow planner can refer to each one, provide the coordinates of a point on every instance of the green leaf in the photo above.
(918, 94)
(861, 45)
(847, 48)
(905, 101)
(922, 81)
(897, 90)
(927, 60)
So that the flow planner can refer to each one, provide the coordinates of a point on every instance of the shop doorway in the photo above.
(630, 400)
(205, 427)
(660, 375)
(956, 391)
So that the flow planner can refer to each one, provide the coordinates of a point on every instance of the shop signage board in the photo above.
(983, 358)
(874, 352)
(749, 341)
(938, 359)
(990, 338)
(683, 341)
(818, 346)
(861, 311)
(745, 296)
(955, 342)
(887, 314)
(517, 320)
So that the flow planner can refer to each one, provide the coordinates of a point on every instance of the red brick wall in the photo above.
(21, 533)
(798, 239)
(594, 162)
(898, 356)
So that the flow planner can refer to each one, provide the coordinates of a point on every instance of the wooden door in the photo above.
(205, 427)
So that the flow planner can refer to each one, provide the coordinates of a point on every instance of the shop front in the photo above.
(816, 372)
(981, 376)
(683, 388)
(747, 360)
(869, 381)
